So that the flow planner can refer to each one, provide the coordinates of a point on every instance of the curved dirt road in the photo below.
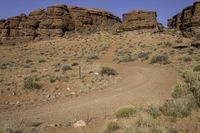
(141, 84)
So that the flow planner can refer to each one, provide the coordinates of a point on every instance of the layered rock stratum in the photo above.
(187, 21)
(59, 20)
(139, 19)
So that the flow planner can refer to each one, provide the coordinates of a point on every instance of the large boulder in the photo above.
(139, 19)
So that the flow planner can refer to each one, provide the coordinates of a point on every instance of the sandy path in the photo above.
(141, 84)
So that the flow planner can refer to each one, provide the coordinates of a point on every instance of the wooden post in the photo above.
(80, 76)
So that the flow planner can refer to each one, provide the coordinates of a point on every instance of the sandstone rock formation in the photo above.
(187, 21)
(92, 19)
(59, 20)
(139, 19)
(55, 21)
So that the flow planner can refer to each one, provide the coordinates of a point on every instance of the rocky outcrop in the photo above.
(55, 21)
(92, 19)
(59, 20)
(139, 19)
(187, 21)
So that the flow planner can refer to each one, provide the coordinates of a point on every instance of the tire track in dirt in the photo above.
(141, 84)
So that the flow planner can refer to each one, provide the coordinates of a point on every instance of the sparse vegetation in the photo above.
(187, 58)
(166, 44)
(66, 67)
(180, 107)
(28, 61)
(123, 55)
(147, 125)
(75, 64)
(144, 55)
(126, 111)
(153, 110)
(197, 68)
(41, 61)
(186, 96)
(160, 58)
(31, 83)
(92, 56)
(105, 70)
(110, 127)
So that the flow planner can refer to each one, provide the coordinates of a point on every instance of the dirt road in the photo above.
(141, 84)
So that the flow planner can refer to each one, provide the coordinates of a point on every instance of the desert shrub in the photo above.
(41, 61)
(105, 70)
(187, 58)
(92, 56)
(166, 44)
(197, 68)
(179, 41)
(66, 67)
(110, 127)
(1, 130)
(31, 83)
(124, 58)
(3, 66)
(190, 76)
(54, 79)
(181, 89)
(154, 111)
(127, 111)
(75, 64)
(123, 55)
(147, 125)
(29, 61)
(172, 130)
(160, 58)
(57, 65)
(192, 80)
(144, 55)
(6, 64)
(181, 107)
(190, 51)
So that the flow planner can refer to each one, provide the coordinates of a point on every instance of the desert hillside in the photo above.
(67, 69)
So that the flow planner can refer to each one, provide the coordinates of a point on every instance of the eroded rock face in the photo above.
(188, 21)
(86, 19)
(55, 21)
(135, 20)
(59, 20)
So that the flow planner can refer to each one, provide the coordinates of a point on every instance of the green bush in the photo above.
(181, 89)
(108, 71)
(127, 111)
(191, 77)
(181, 107)
(66, 67)
(166, 44)
(92, 56)
(123, 55)
(41, 61)
(160, 58)
(111, 127)
(147, 125)
(29, 61)
(187, 58)
(144, 55)
(31, 83)
(197, 68)
(153, 111)
(75, 64)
